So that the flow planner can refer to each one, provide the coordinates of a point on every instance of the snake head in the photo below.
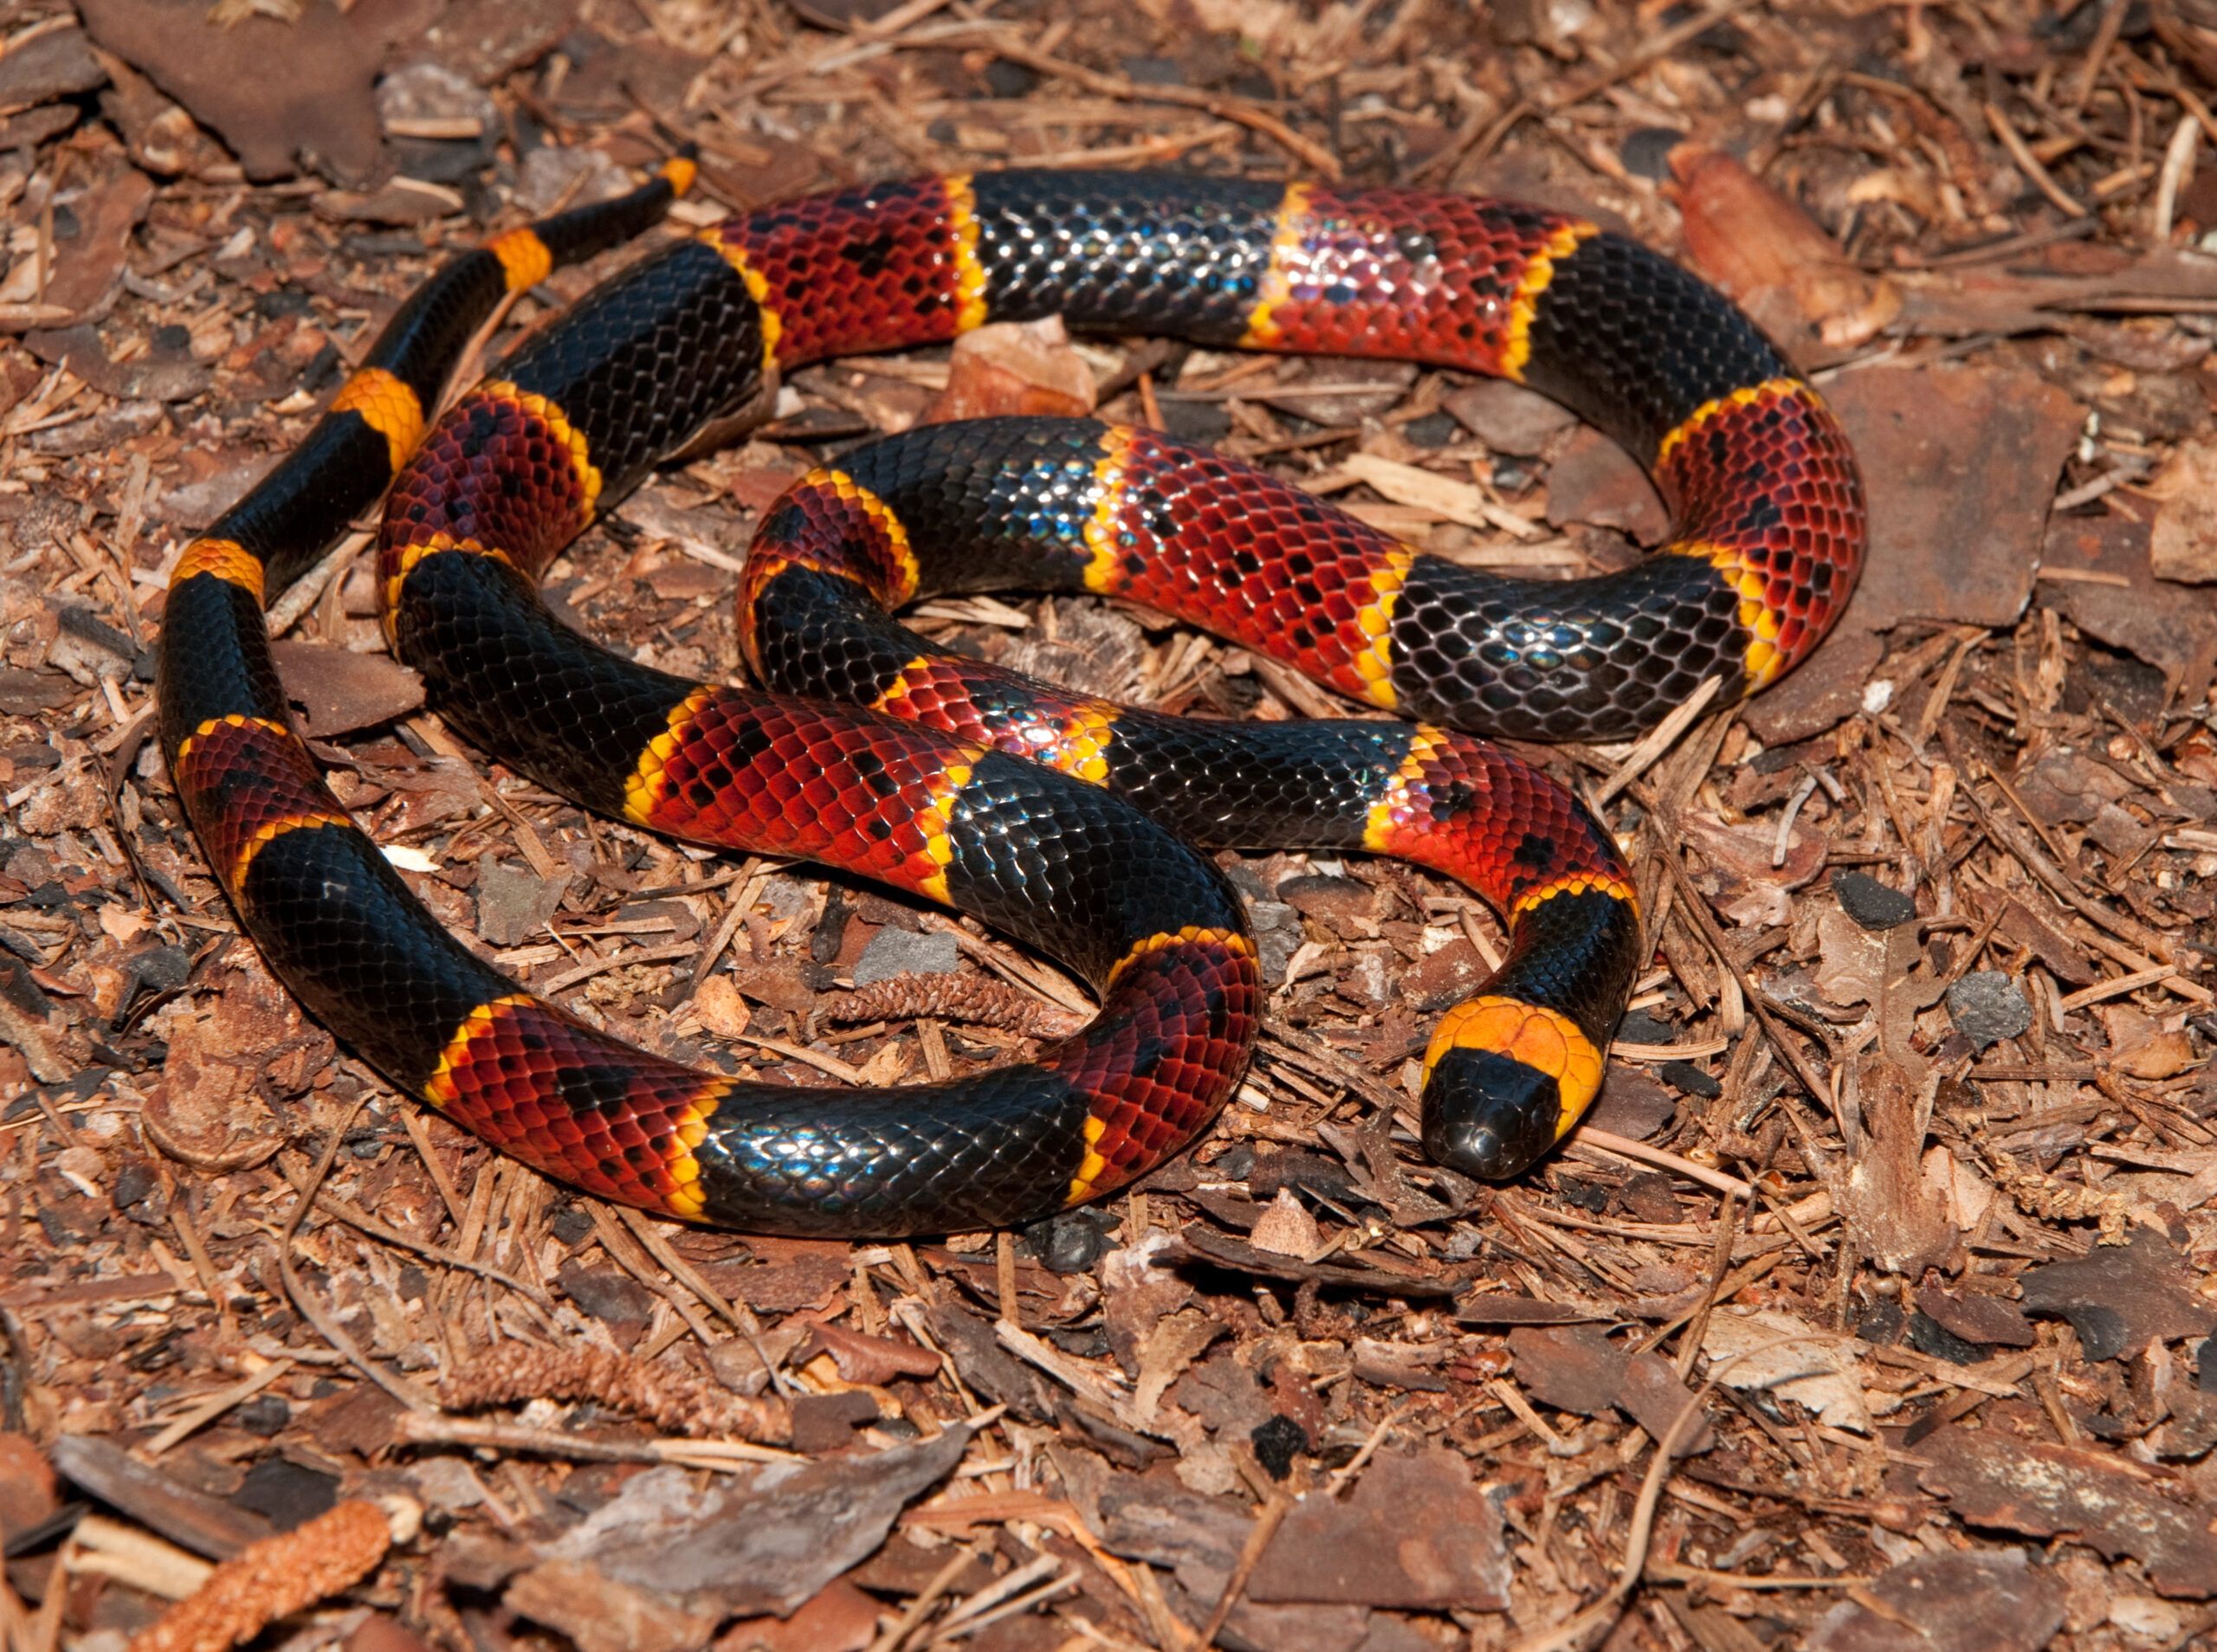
(1490, 1115)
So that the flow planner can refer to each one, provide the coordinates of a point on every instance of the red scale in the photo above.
(501, 1090)
(806, 794)
(1356, 291)
(889, 282)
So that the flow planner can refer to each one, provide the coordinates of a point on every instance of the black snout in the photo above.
(1489, 1115)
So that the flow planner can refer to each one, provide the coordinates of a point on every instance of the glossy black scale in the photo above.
(1100, 248)
(826, 1161)
(646, 362)
(388, 978)
(1634, 345)
(1593, 659)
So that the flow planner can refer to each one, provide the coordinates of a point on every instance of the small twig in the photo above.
(2105, 35)
(1657, 741)
(1342, 1478)
(331, 1205)
(1313, 154)
(1720, 1263)
(1605, 1612)
(897, 1635)
(1250, 1554)
(1639, 1151)
(402, 1389)
(633, 1259)
(2047, 872)
(686, 1275)
(1732, 1287)
(1011, 1593)
(1724, 1581)
(1656, 47)
(2178, 165)
(215, 1405)
(300, 596)
(2028, 163)
(1693, 905)
(564, 1446)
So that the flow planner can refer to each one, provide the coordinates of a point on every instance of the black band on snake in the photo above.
(1066, 822)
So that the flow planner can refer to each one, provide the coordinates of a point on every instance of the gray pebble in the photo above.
(787, 897)
(1277, 936)
(1988, 1007)
(895, 951)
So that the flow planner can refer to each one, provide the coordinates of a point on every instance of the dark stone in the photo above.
(1201, 422)
(1881, 1326)
(569, 1225)
(1007, 79)
(1432, 430)
(264, 1414)
(1928, 1336)
(1987, 1007)
(1646, 153)
(1870, 903)
(1277, 1442)
(285, 1494)
(1070, 1242)
(1639, 1027)
(1686, 1077)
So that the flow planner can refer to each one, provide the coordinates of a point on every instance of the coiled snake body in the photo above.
(1059, 820)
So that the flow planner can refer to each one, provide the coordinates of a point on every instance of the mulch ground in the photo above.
(1894, 1216)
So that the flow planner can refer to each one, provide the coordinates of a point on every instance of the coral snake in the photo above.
(1082, 851)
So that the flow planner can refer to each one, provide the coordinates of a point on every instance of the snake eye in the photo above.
(1489, 1115)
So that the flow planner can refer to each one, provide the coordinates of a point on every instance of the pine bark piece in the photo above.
(192, 1519)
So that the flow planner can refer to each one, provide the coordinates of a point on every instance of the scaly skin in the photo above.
(1769, 535)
